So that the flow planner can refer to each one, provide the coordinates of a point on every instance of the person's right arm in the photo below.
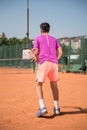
(35, 49)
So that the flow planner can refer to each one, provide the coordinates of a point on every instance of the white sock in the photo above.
(56, 104)
(41, 103)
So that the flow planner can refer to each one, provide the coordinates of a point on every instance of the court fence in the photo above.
(74, 55)
(11, 56)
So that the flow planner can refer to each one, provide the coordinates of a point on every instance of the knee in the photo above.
(53, 84)
(39, 84)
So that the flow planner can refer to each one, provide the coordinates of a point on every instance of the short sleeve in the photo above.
(57, 44)
(36, 44)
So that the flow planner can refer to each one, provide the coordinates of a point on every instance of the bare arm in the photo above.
(59, 52)
(35, 51)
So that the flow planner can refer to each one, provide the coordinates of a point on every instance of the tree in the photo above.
(3, 35)
(13, 41)
(24, 41)
(3, 41)
(65, 49)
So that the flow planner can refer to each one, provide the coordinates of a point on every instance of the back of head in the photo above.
(45, 27)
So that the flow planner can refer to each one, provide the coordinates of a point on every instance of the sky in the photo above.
(67, 18)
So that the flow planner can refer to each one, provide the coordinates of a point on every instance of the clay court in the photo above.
(18, 102)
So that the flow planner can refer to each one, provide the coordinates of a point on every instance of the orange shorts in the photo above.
(47, 69)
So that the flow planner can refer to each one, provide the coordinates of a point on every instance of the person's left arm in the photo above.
(59, 50)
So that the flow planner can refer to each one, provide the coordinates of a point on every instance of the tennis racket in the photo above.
(27, 54)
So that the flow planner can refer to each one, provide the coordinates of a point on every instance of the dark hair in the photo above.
(45, 27)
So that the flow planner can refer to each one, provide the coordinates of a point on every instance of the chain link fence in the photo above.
(74, 54)
(10, 56)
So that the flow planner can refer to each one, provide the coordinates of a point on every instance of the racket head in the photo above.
(27, 54)
(30, 54)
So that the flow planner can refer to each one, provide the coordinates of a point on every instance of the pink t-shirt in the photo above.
(47, 47)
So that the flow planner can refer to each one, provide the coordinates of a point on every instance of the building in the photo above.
(75, 42)
(64, 41)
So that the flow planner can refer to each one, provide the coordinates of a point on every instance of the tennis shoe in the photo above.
(41, 112)
(56, 111)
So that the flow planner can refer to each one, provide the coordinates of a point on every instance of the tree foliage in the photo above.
(3, 41)
(65, 49)
(13, 41)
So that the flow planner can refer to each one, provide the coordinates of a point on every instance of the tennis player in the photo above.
(48, 51)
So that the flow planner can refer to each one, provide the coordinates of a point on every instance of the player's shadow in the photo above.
(48, 117)
(76, 110)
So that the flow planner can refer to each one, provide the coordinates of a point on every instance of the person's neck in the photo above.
(44, 33)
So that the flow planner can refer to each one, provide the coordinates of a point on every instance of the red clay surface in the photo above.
(18, 102)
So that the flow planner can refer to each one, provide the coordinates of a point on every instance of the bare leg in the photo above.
(39, 90)
(40, 95)
(55, 91)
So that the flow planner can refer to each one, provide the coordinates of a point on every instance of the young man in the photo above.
(48, 51)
